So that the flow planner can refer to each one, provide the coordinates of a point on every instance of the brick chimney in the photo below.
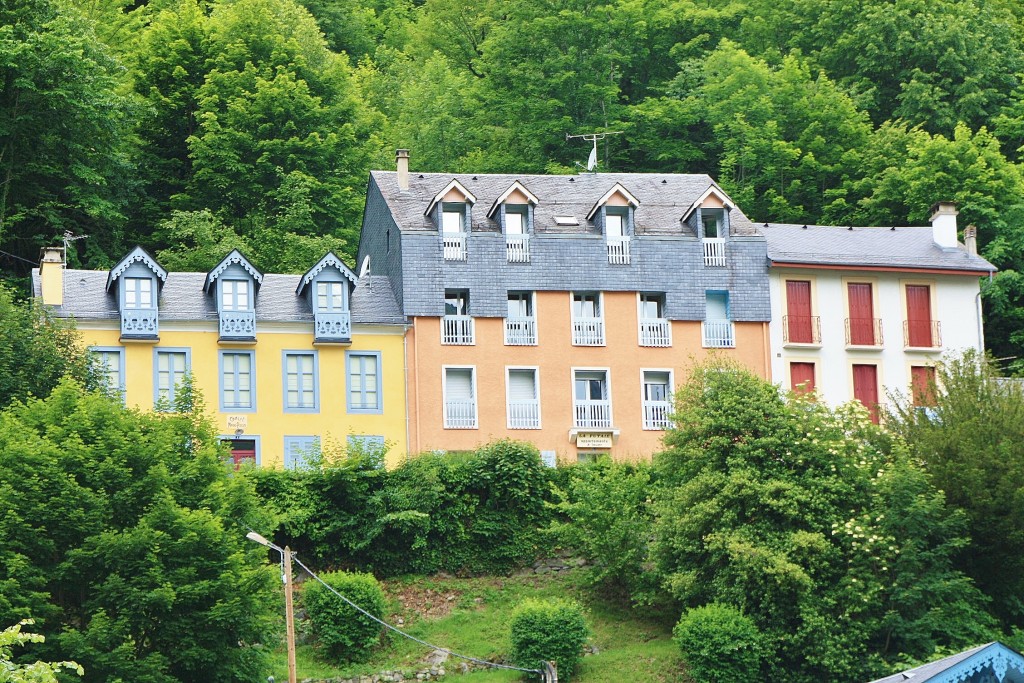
(971, 240)
(51, 275)
(944, 224)
(402, 163)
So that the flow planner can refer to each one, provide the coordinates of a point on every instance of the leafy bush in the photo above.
(719, 644)
(341, 632)
(548, 630)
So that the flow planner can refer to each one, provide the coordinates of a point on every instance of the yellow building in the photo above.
(287, 364)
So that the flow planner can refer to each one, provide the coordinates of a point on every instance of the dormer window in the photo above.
(613, 214)
(451, 209)
(136, 279)
(234, 282)
(328, 287)
(708, 216)
(513, 211)
(453, 217)
(712, 222)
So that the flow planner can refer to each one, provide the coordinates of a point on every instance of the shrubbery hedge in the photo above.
(341, 632)
(548, 630)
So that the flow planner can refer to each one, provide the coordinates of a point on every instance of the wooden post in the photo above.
(550, 673)
(289, 614)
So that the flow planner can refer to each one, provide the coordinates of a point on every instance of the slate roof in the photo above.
(182, 298)
(958, 667)
(904, 248)
(663, 197)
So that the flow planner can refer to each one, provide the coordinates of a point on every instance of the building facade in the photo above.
(861, 313)
(288, 365)
(562, 310)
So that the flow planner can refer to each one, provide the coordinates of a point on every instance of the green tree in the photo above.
(38, 672)
(816, 525)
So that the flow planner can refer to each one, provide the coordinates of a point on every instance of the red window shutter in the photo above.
(865, 388)
(798, 310)
(801, 377)
(919, 316)
(862, 316)
(922, 384)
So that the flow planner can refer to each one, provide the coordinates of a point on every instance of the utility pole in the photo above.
(289, 613)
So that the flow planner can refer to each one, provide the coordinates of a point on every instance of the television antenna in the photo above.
(592, 137)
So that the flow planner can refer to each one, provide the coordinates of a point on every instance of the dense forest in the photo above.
(193, 126)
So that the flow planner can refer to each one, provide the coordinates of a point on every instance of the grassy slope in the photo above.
(470, 616)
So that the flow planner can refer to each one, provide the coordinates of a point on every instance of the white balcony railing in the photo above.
(460, 413)
(656, 414)
(655, 332)
(517, 248)
(714, 252)
(520, 332)
(457, 329)
(719, 334)
(588, 331)
(454, 246)
(524, 414)
(140, 322)
(592, 414)
(618, 251)
(237, 324)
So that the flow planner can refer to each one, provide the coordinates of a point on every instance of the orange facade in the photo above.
(557, 362)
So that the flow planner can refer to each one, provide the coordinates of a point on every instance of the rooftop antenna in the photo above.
(70, 237)
(592, 137)
(364, 270)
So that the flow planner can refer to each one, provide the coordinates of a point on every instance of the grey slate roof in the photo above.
(663, 197)
(957, 668)
(905, 248)
(182, 298)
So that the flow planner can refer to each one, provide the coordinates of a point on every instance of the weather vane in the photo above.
(592, 137)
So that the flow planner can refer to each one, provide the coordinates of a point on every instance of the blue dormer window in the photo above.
(234, 283)
(136, 280)
(328, 288)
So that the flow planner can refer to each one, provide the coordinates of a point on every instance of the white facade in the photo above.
(955, 315)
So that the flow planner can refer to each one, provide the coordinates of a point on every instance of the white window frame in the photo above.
(444, 395)
(643, 399)
(608, 388)
(508, 394)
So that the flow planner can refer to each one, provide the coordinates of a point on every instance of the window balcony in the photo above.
(454, 246)
(517, 248)
(922, 334)
(714, 252)
(332, 327)
(592, 414)
(238, 325)
(588, 332)
(656, 415)
(520, 332)
(460, 413)
(655, 332)
(140, 323)
(864, 332)
(457, 330)
(524, 414)
(801, 329)
(719, 334)
(618, 251)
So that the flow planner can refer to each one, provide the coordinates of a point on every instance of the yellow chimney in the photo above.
(51, 275)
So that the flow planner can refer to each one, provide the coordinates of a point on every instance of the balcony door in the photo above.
(919, 316)
(798, 310)
(865, 388)
(862, 314)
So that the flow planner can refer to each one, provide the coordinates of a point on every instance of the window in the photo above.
(801, 377)
(366, 444)
(138, 292)
(616, 221)
(592, 405)
(922, 385)
(865, 388)
(520, 325)
(718, 328)
(517, 238)
(460, 398)
(236, 380)
(798, 325)
(243, 450)
(171, 367)
(613, 224)
(300, 382)
(655, 330)
(234, 295)
(523, 398)
(516, 219)
(657, 399)
(587, 324)
(920, 330)
(330, 297)
(301, 452)
(364, 382)
(457, 325)
(712, 223)
(862, 328)
(109, 362)
(453, 217)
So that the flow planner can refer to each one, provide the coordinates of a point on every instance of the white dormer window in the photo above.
(136, 280)
(138, 292)
(712, 223)
(328, 287)
(234, 295)
(329, 297)
(613, 215)
(233, 283)
(453, 218)
(515, 219)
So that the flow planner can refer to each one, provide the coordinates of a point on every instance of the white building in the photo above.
(863, 312)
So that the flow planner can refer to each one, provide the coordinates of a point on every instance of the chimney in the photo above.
(971, 240)
(51, 275)
(944, 224)
(402, 162)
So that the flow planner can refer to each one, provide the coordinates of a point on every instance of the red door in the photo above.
(801, 377)
(798, 310)
(865, 388)
(922, 384)
(242, 450)
(919, 316)
(862, 316)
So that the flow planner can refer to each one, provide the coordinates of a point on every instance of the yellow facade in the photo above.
(269, 423)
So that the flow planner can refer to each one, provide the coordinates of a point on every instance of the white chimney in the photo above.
(944, 224)
(402, 163)
(51, 275)
(971, 240)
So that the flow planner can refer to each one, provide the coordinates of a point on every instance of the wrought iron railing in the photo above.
(863, 331)
(801, 329)
(922, 334)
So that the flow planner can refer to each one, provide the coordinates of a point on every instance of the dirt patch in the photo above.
(418, 602)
